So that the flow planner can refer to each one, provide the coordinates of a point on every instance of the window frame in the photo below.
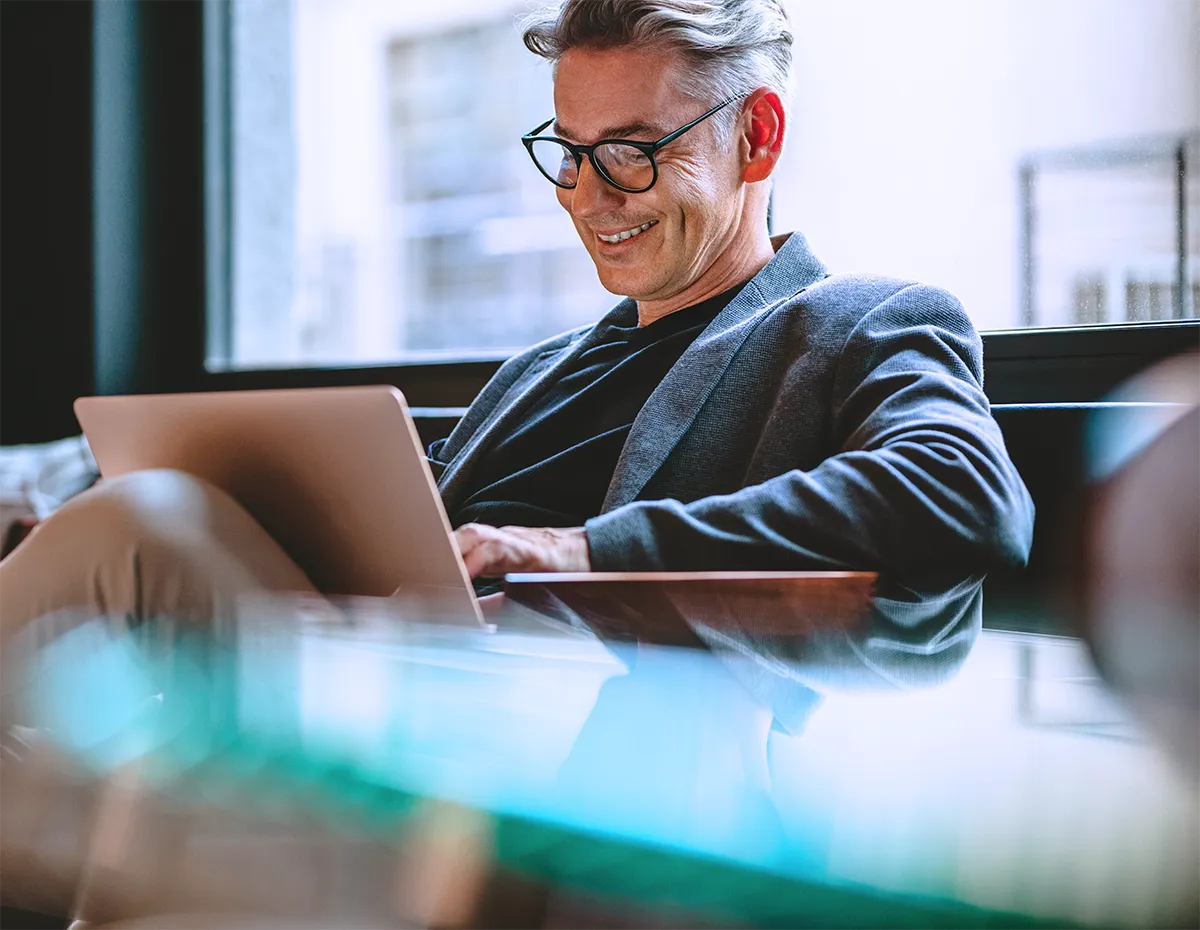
(1174, 149)
(168, 304)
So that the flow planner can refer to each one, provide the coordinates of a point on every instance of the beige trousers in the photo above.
(155, 543)
(146, 544)
(132, 549)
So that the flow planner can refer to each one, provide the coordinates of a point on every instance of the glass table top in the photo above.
(901, 767)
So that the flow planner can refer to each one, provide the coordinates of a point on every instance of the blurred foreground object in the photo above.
(330, 764)
(1139, 591)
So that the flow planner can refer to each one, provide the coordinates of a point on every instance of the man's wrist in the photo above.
(579, 558)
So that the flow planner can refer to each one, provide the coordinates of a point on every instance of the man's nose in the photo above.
(593, 196)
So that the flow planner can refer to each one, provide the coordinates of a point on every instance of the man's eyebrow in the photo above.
(624, 131)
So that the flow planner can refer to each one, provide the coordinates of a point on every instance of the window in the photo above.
(1106, 233)
(381, 208)
(382, 205)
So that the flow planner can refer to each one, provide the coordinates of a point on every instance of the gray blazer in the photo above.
(819, 422)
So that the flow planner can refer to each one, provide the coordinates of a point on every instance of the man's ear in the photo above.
(762, 128)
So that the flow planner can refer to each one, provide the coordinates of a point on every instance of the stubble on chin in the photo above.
(615, 283)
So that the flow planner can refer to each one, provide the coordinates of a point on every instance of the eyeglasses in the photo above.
(627, 165)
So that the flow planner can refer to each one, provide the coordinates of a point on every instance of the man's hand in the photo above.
(491, 553)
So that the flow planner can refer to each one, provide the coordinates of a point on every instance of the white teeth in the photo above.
(628, 233)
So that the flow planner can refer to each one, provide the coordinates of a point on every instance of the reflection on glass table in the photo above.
(340, 766)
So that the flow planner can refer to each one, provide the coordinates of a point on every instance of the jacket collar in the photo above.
(673, 406)
(677, 400)
(517, 402)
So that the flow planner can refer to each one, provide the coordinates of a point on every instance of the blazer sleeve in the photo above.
(921, 480)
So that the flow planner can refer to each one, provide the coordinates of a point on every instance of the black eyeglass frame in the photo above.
(646, 148)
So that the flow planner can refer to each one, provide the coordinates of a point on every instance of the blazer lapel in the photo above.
(675, 403)
(510, 409)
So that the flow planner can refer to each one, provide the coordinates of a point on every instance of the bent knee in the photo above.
(160, 511)
(153, 493)
(169, 516)
(155, 505)
(149, 544)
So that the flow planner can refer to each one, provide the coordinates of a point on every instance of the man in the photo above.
(811, 422)
(740, 409)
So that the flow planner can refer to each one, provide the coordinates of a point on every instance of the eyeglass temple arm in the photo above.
(671, 137)
(533, 132)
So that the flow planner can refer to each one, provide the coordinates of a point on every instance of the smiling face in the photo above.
(686, 233)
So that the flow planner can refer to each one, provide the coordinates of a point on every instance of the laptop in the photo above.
(337, 476)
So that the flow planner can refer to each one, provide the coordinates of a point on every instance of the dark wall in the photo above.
(148, 165)
(45, 216)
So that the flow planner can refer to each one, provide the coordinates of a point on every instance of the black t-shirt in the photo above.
(554, 468)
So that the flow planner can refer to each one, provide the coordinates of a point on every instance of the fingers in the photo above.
(491, 552)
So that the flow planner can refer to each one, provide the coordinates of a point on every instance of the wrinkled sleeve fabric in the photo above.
(921, 480)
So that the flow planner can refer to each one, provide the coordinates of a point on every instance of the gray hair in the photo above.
(730, 48)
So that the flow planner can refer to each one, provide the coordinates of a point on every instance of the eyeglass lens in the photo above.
(629, 167)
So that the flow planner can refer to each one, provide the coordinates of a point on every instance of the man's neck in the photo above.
(741, 261)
